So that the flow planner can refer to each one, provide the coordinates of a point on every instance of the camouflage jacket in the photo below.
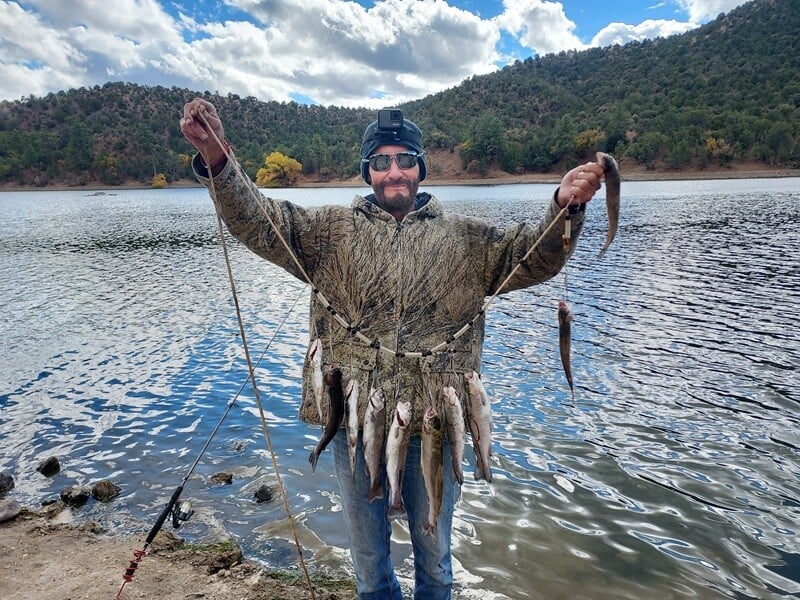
(408, 286)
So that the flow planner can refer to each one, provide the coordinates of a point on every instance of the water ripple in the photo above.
(675, 472)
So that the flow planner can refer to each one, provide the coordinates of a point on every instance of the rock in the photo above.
(216, 562)
(6, 483)
(221, 478)
(9, 509)
(263, 494)
(51, 508)
(105, 490)
(49, 466)
(240, 445)
(76, 496)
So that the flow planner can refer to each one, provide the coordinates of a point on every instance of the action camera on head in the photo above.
(390, 119)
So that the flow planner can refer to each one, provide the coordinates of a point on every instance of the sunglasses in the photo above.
(383, 162)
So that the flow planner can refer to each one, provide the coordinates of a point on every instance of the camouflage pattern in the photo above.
(409, 285)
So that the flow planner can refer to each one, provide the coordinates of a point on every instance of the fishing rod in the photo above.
(182, 511)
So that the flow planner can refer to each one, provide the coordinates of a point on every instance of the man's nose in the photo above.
(394, 168)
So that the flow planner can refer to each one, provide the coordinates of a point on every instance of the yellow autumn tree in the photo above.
(589, 141)
(159, 181)
(279, 170)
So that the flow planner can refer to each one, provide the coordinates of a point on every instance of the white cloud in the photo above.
(331, 51)
(341, 53)
(701, 11)
(541, 26)
(34, 57)
(621, 33)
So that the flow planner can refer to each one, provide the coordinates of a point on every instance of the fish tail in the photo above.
(459, 474)
(375, 491)
(482, 471)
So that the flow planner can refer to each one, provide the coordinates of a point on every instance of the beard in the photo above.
(394, 201)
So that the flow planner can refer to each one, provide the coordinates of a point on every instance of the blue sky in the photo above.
(329, 52)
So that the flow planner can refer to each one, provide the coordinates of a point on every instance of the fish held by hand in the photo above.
(612, 178)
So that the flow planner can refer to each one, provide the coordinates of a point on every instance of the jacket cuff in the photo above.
(201, 171)
(574, 209)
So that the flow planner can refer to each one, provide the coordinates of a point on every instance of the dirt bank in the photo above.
(40, 559)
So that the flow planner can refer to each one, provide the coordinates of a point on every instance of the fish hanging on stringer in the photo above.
(564, 341)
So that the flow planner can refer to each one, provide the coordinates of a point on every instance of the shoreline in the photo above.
(38, 553)
(493, 179)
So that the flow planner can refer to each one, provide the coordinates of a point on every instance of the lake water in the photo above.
(674, 473)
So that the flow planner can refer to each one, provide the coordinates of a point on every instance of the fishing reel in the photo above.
(181, 513)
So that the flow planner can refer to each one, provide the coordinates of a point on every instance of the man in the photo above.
(397, 271)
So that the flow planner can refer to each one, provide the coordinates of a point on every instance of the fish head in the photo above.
(333, 376)
(431, 420)
(376, 399)
(450, 395)
(564, 312)
(315, 350)
(403, 411)
(608, 162)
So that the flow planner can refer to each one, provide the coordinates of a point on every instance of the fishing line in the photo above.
(256, 393)
(566, 241)
(180, 512)
(349, 327)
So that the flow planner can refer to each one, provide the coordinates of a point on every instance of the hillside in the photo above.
(727, 93)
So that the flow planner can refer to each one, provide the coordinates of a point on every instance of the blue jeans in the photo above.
(370, 532)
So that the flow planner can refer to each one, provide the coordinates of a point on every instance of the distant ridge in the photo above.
(726, 92)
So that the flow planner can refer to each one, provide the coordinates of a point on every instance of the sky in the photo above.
(369, 53)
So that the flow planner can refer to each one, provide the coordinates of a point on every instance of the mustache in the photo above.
(403, 180)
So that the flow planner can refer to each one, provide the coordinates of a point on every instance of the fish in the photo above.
(480, 425)
(333, 379)
(611, 170)
(351, 421)
(432, 466)
(564, 340)
(396, 451)
(317, 383)
(372, 442)
(454, 423)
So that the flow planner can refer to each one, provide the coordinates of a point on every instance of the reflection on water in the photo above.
(675, 472)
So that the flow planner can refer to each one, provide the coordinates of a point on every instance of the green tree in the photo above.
(779, 142)
(647, 148)
(486, 143)
(78, 146)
